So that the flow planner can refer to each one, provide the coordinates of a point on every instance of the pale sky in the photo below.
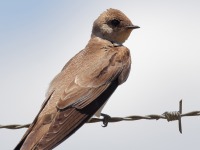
(37, 38)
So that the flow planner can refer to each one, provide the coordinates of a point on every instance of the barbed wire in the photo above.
(169, 116)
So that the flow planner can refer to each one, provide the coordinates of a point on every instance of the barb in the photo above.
(169, 116)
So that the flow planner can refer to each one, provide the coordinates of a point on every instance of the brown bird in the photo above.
(84, 85)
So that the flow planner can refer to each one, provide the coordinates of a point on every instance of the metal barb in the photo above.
(175, 115)
(179, 120)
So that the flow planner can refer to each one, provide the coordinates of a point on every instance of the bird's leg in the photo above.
(106, 119)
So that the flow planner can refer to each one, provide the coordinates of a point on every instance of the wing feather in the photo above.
(67, 121)
(88, 85)
(32, 125)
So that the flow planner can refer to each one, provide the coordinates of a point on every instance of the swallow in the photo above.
(84, 84)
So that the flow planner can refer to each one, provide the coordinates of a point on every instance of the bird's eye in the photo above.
(115, 22)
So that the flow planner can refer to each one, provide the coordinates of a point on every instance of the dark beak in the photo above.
(132, 27)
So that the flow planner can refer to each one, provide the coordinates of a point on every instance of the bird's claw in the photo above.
(106, 119)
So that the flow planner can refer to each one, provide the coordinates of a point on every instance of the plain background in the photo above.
(38, 37)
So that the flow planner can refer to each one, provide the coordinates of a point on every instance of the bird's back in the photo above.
(77, 92)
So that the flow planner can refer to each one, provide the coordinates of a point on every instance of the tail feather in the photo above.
(66, 122)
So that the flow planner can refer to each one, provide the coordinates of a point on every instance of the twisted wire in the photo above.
(169, 116)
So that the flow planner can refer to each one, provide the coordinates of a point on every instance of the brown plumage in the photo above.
(84, 84)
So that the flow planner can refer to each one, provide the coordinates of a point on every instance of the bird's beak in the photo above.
(132, 27)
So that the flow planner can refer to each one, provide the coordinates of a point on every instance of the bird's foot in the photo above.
(106, 119)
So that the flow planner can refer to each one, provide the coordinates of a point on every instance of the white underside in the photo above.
(98, 113)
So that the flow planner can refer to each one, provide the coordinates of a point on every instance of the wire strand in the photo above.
(169, 116)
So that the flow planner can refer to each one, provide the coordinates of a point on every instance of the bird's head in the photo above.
(113, 25)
